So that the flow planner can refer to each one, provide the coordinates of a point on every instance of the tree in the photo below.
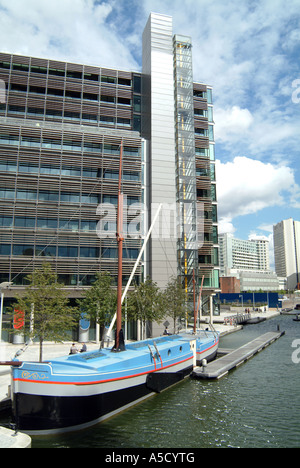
(100, 301)
(175, 300)
(145, 303)
(45, 307)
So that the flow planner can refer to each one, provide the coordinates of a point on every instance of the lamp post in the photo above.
(242, 302)
(4, 285)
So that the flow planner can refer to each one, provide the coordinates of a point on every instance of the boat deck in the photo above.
(220, 367)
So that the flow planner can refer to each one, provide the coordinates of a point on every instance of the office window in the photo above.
(123, 122)
(214, 214)
(6, 193)
(5, 249)
(87, 280)
(8, 166)
(37, 89)
(6, 221)
(42, 70)
(49, 143)
(9, 140)
(131, 254)
(71, 171)
(26, 195)
(137, 103)
(86, 198)
(20, 67)
(5, 65)
(209, 96)
(55, 72)
(67, 251)
(69, 197)
(88, 225)
(72, 115)
(108, 79)
(73, 94)
(30, 168)
(89, 252)
(30, 141)
(92, 147)
(72, 145)
(106, 120)
(54, 114)
(74, 74)
(136, 123)
(86, 172)
(18, 88)
(68, 280)
(109, 99)
(45, 251)
(109, 252)
(24, 250)
(90, 97)
(46, 223)
(212, 152)
(69, 225)
(55, 92)
(16, 109)
(46, 195)
(50, 170)
(35, 111)
(137, 84)
(91, 77)
(124, 101)
(89, 117)
(25, 222)
(124, 82)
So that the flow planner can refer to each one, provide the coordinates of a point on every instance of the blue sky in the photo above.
(247, 50)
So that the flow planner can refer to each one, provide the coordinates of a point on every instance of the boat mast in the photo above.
(119, 343)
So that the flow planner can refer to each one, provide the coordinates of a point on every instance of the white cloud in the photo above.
(246, 186)
(71, 30)
(231, 122)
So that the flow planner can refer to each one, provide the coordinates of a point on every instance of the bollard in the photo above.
(204, 364)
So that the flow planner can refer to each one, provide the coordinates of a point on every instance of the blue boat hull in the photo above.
(74, 392)
(55, 414)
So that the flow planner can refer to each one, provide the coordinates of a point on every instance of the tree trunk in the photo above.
(41, 349)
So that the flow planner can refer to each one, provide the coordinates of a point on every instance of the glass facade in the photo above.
(185, 163)
(61, 127)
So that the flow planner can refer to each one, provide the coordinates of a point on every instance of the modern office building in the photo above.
(287, 251)
(61, 127)
(248, 262)
(237, 254)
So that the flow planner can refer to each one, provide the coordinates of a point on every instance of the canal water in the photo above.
(256, 405)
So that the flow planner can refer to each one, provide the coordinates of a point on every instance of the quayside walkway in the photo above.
(220, 367)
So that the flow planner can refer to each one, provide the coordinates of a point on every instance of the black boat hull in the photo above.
(56, 414)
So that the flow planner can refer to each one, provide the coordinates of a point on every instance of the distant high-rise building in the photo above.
(236, 254)
(287, 251)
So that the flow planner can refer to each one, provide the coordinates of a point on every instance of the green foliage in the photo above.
(47, 313)
(174, 298)
(146, 303)
(100, 301)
